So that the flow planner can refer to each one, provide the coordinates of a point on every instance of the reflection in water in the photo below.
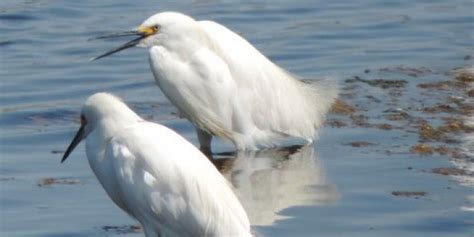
(467, 164)
(271, 180)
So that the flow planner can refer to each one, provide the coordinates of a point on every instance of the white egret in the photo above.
(225, 86)
(155, 175)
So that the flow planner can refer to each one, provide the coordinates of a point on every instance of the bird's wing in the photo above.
(214, 112)
(203, 90)
(275, 99)
(165, 180)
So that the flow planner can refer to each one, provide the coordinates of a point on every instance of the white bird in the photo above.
(155, 175)
(225, 86)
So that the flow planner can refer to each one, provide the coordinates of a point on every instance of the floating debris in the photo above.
(341, 107)
(458, 100)
(361, 144)
(373, 98)
(429, 133)
(396, 114)
(435, 112)
(53, 181)
(384, 126)
(442, 150)
(449, 171)
(465, 76)
(421, 149)
(440, 85)
(451, 126)
(441, 108)
(381, 83)
(124, 229)
(415, 194)
(360, 120)
(425, 149)
(334, 123)
(462, 79)
(409, 71)
(57, 151)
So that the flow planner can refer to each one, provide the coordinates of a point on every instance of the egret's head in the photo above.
(159, 28)
(105, 110)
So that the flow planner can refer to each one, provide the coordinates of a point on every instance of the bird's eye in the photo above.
(156, 28)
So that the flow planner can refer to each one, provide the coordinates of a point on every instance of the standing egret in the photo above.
(225, 86)
(155, 175)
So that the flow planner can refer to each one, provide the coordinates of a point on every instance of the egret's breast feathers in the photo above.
(199, 86)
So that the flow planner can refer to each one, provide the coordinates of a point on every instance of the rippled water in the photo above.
(45, 77)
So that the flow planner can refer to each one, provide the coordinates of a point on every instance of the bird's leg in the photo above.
(205, 142)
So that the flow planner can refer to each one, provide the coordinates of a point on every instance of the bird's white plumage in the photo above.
(157, 176)
(226, 87)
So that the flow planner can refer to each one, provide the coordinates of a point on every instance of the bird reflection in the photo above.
(271, 180)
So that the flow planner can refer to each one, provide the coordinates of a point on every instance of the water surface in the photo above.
(331, 189)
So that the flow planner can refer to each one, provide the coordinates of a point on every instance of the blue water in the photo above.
(45, 76)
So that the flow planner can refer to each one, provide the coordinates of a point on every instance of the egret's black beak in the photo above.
(122, 47)
(142, 33)
(116, 35)
(75, 141)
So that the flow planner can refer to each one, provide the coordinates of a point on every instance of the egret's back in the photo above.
(171, 187)
(275, 101)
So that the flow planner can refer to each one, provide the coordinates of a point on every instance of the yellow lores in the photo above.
(145, 30)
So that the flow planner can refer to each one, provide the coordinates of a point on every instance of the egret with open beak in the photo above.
(226, 87)
(142, 33)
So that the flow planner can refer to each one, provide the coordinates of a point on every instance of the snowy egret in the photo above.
(225, 86)
(155, 175)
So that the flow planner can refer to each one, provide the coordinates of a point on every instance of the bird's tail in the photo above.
(321, 94)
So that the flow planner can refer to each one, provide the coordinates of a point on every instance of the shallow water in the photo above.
(332, 190)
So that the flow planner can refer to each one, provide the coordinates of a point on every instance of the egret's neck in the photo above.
(98, 149)
(104, 130)
(185, 44)
(110, 126)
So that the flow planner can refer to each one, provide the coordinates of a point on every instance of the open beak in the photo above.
(142, 33)
(117, 35)
(75, 141)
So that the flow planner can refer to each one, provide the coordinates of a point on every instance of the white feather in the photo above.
(157, 176)
(225, 86)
